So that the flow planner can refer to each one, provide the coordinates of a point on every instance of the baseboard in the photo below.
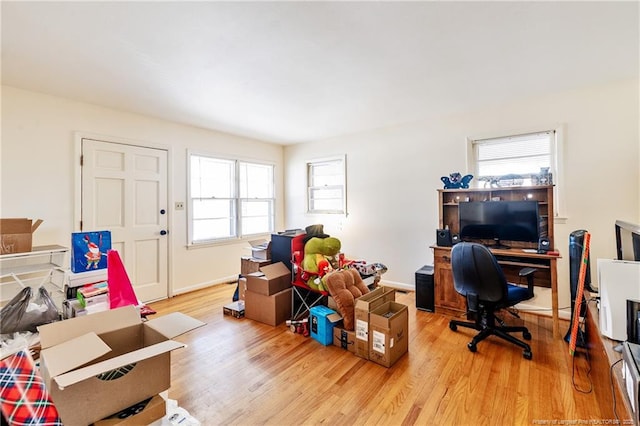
(398, 286)
(526, 307)
(200, 286)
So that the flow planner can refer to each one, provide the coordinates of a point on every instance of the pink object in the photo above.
(120, 289)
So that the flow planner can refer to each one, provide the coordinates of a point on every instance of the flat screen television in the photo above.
(499, 220)
(627, 241)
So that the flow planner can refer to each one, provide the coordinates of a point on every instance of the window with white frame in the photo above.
(229, 199)
(522, 159)
(326, 186)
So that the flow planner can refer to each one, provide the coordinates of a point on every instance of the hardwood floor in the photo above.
(241, 372)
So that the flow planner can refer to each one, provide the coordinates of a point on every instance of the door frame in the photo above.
(77, 186)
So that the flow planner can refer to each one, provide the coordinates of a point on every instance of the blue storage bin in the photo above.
(322, 320)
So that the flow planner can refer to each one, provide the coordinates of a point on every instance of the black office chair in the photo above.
(478, 277)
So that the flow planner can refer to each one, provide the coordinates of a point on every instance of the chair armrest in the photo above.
(528, 274)
(524, 272)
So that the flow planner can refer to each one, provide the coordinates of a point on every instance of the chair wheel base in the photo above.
(472, 347)
(526, 335)
(453, 327)
(527, 354)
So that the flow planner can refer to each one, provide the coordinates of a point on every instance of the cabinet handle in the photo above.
(446, 259)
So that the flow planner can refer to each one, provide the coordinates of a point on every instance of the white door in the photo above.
(124, 190)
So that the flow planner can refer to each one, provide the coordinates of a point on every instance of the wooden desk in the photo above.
(512, 261)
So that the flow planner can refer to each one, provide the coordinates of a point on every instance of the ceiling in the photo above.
(293, 72)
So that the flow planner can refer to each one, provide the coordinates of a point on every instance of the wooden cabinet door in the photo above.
(446, 295)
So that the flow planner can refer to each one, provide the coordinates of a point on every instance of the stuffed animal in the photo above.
(345, 286)
(319, 259)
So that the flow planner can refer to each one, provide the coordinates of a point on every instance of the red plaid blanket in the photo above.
(24, 400)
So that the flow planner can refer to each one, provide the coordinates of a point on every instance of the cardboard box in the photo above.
(272, 310)
(364, 304)
(271, 279)
(99, 364)
(234, 309)
(16, 235)
(142, 413)
(321, 322)
(389, 330)
(260, 249)
(249, 265)
(344, 339)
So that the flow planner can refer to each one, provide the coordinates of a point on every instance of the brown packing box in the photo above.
(364, 304)
(344, 339)
(16, 235)
(272, 310)
(389, 333)
(99, 364)
(154, 410)
(270, 280)
(249, 265)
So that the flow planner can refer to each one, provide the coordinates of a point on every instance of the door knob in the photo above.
(163, 211)
(163, 232)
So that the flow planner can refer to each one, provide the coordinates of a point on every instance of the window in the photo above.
(326, 186)
(517, 159)
(229, 199)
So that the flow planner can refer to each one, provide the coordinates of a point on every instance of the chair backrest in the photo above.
(476, 271)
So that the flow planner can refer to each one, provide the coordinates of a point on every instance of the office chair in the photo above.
(478, 277)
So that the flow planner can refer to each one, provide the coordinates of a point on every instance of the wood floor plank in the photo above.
(240, 372)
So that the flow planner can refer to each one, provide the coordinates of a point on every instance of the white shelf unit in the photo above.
(43, 266)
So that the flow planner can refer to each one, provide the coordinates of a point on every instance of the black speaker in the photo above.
(443, 237)
(633, 321)
(544, 245)
(424, 289)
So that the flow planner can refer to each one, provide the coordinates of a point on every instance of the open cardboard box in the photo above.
(271, 279)
(16, 235)
(99, 364)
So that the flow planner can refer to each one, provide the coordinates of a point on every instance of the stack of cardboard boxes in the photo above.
(381, 328)
(267, 298)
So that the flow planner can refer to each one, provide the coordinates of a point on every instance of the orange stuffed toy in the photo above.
(345, 286)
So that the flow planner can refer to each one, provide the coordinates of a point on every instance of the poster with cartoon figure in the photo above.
(89, 250)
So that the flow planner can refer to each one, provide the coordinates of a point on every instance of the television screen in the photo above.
(627, 241)
(499, 220)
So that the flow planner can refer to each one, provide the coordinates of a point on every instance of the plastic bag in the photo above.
(25, 312)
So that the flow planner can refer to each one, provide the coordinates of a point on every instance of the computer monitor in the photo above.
(499, 220)
(627, 241)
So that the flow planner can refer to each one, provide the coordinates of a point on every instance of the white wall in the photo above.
(393, 175)
(38, 166)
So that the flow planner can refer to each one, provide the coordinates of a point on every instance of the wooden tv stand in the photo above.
(511, 261)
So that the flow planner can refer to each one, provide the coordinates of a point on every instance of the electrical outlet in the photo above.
(179, 205)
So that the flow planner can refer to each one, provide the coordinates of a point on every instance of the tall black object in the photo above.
(576, 246)
(633, 321)
(424, 289)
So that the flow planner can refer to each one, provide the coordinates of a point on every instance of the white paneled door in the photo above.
(124, 190)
